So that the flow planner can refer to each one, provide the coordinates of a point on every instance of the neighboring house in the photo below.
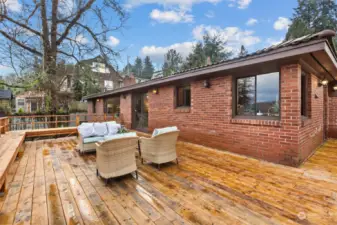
(129, 79)
(271, 104)
(30, 101)
(6, 98)
(108, 78)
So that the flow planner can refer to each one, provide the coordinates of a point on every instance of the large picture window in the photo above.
(258, 95)
(183, 96)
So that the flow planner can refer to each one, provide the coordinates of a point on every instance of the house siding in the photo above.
(209, 121)
(125, 110)
(332, 117)
(312, 128)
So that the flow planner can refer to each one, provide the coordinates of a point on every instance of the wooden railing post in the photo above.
(6, 128)
(104, 117)
(33, 124)
(56, 125)
(77, 120)
(2, 126)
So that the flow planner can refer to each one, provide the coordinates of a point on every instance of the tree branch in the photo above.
(13, 85)
(22, 45)
(74, 21)
(21, 25)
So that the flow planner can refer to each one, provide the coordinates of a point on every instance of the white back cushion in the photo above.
(163, 130)
(113, 128)
(100, 129)
(86, 130)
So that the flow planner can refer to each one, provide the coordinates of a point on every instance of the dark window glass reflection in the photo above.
(258, 95)
(246, 96)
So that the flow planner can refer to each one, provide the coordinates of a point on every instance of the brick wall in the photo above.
(129, 80)
(100, 107)
(312, 129)
(125, 110)
(332, 117)
(90, 107)
(209, 120)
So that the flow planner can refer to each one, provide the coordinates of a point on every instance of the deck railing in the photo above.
(12, 123)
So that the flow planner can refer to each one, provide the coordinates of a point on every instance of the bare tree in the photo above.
(44, 32)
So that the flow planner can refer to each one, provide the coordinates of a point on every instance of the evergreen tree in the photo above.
(172, 62)
(148, 68)
(312, 16)
(212, 46)
(127, 69)
(243, 51)
(137, 68)
(78, 88)
(90, 84)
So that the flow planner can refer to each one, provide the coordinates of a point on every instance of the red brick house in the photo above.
(273, 104)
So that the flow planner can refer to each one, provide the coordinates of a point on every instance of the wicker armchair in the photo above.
(116, 157)
(160, 148)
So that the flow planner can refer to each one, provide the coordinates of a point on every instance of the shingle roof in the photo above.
(323, 35)
(5, 94)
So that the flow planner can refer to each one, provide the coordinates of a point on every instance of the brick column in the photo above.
(100, 107)
(126, 110)
(290, 100)
(90, 107)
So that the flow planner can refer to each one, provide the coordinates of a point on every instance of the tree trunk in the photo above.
(50, 86)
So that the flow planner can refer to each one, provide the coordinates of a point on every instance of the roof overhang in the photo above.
(277, 54)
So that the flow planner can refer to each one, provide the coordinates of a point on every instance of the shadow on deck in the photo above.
(51, 183)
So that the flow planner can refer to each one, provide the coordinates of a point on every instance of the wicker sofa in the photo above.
(91, 133)
(116, 157)
(161, 147)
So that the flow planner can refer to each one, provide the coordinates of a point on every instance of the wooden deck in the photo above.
(52, 184)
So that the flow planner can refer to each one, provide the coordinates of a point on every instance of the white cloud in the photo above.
(251, 22)
(282, 23)
(183, 4)
(157, 53)
(171, 16)
(81, 39)
(13, 5)
(234, 36)
(66, 7)
(113, 41)
(241, 4)
(210, 14)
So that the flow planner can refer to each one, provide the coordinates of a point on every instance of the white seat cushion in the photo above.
(100, 129)
(163, 130)
(117, 136)
(86, 130)
(92, 140)
(113, 128)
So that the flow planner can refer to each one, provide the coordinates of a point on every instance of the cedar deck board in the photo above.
(208, 187)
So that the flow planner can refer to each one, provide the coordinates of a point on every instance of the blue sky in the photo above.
(155, 26)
